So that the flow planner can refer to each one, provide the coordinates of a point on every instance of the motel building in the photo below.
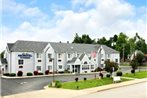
(29, 56)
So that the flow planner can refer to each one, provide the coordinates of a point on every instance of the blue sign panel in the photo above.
(25, 56)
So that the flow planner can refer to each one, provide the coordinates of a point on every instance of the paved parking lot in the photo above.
(14, 86)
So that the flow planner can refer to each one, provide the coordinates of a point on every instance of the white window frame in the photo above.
(39, 68)
(22, 62)
(61, 66)
(38, 55)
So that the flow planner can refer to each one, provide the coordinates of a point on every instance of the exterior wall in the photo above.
(48, 61)
(31, 64)
(114, 57)
(85, 59)
(27, 63)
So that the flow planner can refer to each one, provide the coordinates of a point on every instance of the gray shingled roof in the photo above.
(109, 50)
(38, 47)
(81, 57)
(10, 45)
(72, 47)
(27, 46)
(72, 60)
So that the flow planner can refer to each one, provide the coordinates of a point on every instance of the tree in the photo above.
(136, 60)
(2, 54)
(84, 39)
(77, 39)
(111, 66)
(121, 45)
(102, 41)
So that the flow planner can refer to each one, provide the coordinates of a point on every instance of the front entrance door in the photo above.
(76, 68)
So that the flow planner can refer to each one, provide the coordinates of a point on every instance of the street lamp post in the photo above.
(53, 71)
(53, 81)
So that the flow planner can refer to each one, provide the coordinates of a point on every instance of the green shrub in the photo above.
(58, 84)
(12, 75)
(108, 75)
(76, 79)
(85, 79)
(29, 74)
(119, 73)
(66, 71)
(40, 73)
(98, 69)
(6, 74)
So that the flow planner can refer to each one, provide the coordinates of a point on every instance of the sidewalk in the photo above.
(65, 93)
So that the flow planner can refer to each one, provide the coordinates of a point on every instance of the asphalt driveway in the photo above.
(14, 86)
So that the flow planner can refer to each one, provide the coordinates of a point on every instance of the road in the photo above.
(131, 91)
(14, 86)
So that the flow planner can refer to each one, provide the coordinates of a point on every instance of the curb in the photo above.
(108, 87)
(50, 75)
(122, 85)
(118, 85)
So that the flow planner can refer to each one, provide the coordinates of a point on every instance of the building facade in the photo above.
(29, 56)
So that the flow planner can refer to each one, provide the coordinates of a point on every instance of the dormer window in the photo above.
(68, 55)
(49, 55)
(59, 55)
(38, 55)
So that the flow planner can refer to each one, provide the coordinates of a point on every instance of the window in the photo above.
(20, 66)
(59, 60)
(85, 63)
(85, 67)
(68, 55)
(49, 55)
(60, 66)
(77, 55)
(108, 55)
(20, 62)
(39, 60)
(102, 65)
(68, 67)
(59, 55)
(50, 60)
(38, 67)
(38, 55)
(49, 67)
(94, 59)
(102, 59)
(116, 60)
(92, 66)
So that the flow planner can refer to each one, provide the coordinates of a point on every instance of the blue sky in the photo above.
(59, 20)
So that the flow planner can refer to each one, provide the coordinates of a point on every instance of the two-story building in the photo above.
(28, 56)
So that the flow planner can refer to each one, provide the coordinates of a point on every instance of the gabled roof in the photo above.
(72, 60)
(72, 47)
(38, 47)
(27, 46)
(82, 56)
(109, 50)
(10, 45)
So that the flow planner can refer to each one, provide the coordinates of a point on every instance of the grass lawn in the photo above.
(141, 74)
(88, 83)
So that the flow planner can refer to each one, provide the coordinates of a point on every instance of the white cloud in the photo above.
(100, 18)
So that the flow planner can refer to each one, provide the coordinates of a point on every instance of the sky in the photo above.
(60, 20)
